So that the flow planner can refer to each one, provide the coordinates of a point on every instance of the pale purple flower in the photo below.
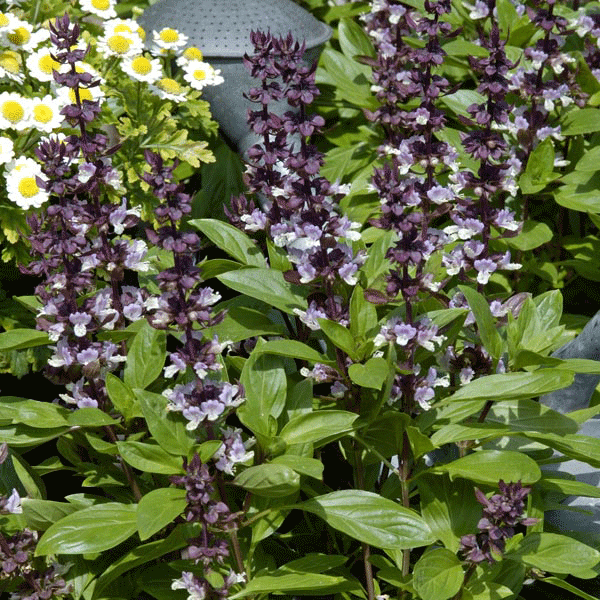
(79, 321)
(484, 267)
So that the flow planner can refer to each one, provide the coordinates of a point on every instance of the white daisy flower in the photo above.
(21, 184)
(67, 95)
(41, 65)
(15, 111)
(190, 53)
(141, 68)
(127, 26)
(168, 40)
(168, 89)
(7, 20)
(101, 8)
(10, 66)
(21, 37)
(45, 114)
(200, 74)
(121, 44)
(6, 150)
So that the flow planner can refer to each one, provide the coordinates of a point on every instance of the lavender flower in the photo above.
(502, 513)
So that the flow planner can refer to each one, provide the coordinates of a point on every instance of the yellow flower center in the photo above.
(42, 113)
(141, 33)
(47, 64)
(12, 111)
(101, 4)
(122, 27)
(199, 74)
(119, 44)
(83, 95)
(193, 53)
(169, 85)
(28, 187)
(9, 63)
(141, 65)
(169, 35)
(19, 37)
(3, 20)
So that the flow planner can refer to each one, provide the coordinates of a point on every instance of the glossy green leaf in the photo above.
(486, 327)
(167, 428)
(18, 339)
(42, 415)
(565, 585)
(318, 427)
(243, 322)
(489, 466)
(353, 39)
(340, 337)
(533, 235)
(373, 374)
(92, 529)
(230, 239)
(150, 458)
(89, 416)
(146, 357)
(40, 514)
(265, 385)
(370, 518)
(457, 432)
(449, 508)
(589, 161)
(539, 170)
(269, 480)
(303, 465)
(569, 487)
(438, 575)
(267, 285)
(363, 314)
(580, 447)
(580, 121)
(23, 435)
(158, 508)
(293, 349)
(504, 386)
(555, 553)
(530, 415)
(122, 397)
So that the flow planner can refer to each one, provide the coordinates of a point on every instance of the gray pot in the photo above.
(221, 29)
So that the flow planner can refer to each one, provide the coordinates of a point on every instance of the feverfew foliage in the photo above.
(334, 393)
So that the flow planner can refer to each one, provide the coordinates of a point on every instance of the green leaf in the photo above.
(42, 415)
(589, 161)
(18, 339)
(293, 349)
(505, 386)
(457, 432)
(438, 575)
(533, 235)
(318, 427)
(363, 314)
(449, 508)
(580, 121)
(40, 514)
(569, 197)
(568, 487)
(146, 357)
(293, 582)
(489, 466)
(580, 447)
(269, 480)
(564, 585)
(150, 458)
(530, 415)
(373, 374)
(230, 239)
(490, 337)
(92, 529)
(157, 509)
(460, 100)
(371, 519)
(539, 170)
(555, 553)
(122, 397)
(90, 416)
(143, 554)
(166, 428)
(243, 322)
(265, 384)
(340, 337)
(301, 464)
(266, 285)
(353, 39)
(459, 47)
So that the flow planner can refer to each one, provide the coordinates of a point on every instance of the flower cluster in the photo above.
(214, 516)
(77, 240)
(299, 211)
(502, 513)
(34, 581)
